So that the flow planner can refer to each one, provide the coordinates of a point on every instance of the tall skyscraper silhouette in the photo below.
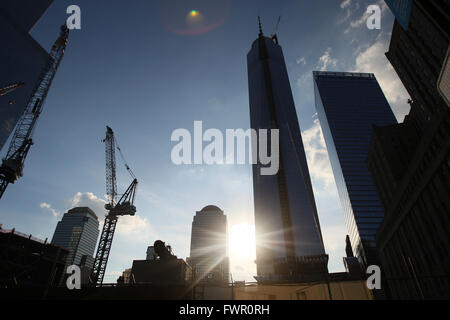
(409, 162)
(289, 241)
(348, 106)
(78, 232)
(209, 256)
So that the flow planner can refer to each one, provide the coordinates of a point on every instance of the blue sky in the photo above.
(131, 67)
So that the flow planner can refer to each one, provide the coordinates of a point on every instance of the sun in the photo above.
(194, 14)
(242, 242)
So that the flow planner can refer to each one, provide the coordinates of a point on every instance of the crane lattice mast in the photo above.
(125, 206)
(12, 166)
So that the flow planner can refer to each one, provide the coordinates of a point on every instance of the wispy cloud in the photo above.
(301, 60)
(326, 61)
(48, 207)
(317, 156)
(346, 3)
(373, 60)
(90, 200)
(134, 226)
(362, 17)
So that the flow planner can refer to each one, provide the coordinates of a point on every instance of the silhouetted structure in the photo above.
(209, 256)
(125, 278)
(289, 241)
(116, 207)
(401, 10)
(166, 269)
(151, 254)
(13, 163)
(78, 232)
(348, 105)
(444, 79)
(27, 262)
(351, 263)
(410, 162)
(22, 59)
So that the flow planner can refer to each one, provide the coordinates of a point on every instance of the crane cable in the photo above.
(124, 161)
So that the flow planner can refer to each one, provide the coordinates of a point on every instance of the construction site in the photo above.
(31, 268)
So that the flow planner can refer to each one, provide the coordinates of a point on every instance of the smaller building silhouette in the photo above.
(164, 268)
(78, 232)
(27, 262)
(209, 256)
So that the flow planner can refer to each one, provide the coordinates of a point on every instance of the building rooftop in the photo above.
(343, 74)
(83, 210)
(211, 208)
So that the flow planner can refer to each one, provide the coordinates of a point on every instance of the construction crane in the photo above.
(8, 89)
(277, 28)
(123, 207)
(12, 167)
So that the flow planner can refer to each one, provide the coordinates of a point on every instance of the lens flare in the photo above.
(242, 242)
(193, 17)
(194, 14)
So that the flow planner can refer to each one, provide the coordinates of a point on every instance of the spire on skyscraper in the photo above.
(261, 34)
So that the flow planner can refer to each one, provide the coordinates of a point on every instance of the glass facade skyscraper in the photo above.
(402, 11)
(289, 241)
(348, 106)
(78, 232)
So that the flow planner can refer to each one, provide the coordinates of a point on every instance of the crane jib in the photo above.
(123, 207)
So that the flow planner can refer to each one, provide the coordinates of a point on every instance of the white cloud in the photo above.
(134, 226)
(325, 192)
(90, 200)
(373, 60)
(317, 155)
(47, 206)
(350, 8)
(358, 22)
(346, 3)
(301, 60)
(128, 225)
(326, 61)
(334, 241)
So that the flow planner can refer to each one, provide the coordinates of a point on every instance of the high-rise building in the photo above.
(444, 79)
(78, 232)
(289, 241)
(410, 162)
(401, 10)
(418, 55)
(348, 106)
(22, 59)
(209, 250)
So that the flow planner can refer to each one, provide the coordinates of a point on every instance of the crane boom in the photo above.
(123, 207)
(8, 89)
(275, 35)
(12, 166)
(111, 180)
